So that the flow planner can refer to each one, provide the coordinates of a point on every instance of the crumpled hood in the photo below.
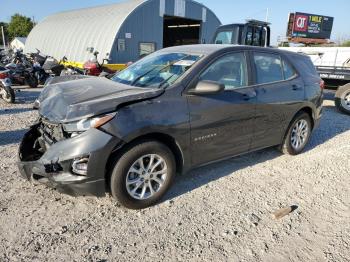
(75, 100)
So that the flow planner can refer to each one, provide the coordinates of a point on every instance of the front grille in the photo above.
(51, 133)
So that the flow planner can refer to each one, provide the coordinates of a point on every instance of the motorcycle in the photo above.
(20, 75)
(6, 91)
(38, 61)
(70, 70)
(94, 68)
(21, 71)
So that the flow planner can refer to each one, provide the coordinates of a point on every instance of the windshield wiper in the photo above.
(143, 75)
(165, 81)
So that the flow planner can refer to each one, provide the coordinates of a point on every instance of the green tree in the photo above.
(19, 26)
(346, 44)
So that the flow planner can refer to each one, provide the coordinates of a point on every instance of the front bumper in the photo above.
(54, 167)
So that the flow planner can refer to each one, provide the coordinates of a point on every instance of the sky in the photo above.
(228, 11)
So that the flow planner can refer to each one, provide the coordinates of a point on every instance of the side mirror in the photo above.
(207, 88)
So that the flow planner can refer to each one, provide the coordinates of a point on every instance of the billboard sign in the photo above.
(310, 26)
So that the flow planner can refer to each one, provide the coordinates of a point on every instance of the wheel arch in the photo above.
(166, 139)
(310, 112)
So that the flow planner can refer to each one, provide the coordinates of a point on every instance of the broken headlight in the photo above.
(85, 124)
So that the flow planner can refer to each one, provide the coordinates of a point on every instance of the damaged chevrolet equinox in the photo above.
(176, 109)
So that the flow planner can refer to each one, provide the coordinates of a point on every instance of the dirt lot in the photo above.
(221, 212)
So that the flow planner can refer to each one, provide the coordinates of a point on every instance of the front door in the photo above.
(222, 124)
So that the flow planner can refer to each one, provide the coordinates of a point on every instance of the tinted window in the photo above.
(257, 37)
(305, 65)
(288, 70)
(249, 37)
(224, 37)
(230, 70)
(268, 68)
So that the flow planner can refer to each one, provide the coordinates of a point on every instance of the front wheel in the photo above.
(342, 99)
(298, 134)
(31, 81)
(8, 94)
(142, 175)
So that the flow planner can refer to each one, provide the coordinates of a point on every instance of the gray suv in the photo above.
(176, 109)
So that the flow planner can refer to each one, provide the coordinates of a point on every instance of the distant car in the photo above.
(342, 99)
(176, 109)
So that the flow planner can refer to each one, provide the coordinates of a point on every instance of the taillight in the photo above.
(3, 75)
(322, 84)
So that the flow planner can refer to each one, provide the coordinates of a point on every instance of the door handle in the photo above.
(296, 87)
(249, 96)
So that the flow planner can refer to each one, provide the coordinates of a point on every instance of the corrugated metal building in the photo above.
(126, 30)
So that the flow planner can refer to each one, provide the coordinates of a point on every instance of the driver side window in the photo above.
(230, 70)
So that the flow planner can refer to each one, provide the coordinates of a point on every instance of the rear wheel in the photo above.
(8, 94)
(298, 135)
(31, 81)
(142, 175)
(342, 99)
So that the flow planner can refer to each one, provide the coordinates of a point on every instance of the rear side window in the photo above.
(305, 66)
(288, 70)
(268, 68)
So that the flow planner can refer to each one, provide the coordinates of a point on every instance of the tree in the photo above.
(346, 44)
(19, 26)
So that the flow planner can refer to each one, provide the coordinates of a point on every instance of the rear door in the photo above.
(222, 124)
(280, 90)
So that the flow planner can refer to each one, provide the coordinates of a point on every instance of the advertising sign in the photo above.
(310, 26)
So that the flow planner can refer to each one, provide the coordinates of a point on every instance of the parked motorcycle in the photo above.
(5, 56)
(38, 60)
(70, 70)
(21, 71)
(6, 91)
(94, 68)
(20, 75)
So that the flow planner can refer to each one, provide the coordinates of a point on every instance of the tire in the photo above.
(342, 99)
(31, 81)
(10, 96)
(289, 145)
(122, 172)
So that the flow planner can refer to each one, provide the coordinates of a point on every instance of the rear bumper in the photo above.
(54, 167)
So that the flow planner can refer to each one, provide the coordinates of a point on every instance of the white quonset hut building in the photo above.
(126, 30)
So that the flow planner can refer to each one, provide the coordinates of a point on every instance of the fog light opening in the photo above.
(80, 166)
(37, 177)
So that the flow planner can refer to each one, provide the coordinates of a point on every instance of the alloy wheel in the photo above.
(146, 176)
(300, 134)
(346, 101)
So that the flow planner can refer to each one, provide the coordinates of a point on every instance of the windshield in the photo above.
(160, 70)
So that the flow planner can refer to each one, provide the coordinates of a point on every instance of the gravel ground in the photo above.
(221, 212)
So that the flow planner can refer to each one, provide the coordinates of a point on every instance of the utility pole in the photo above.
(267, 15)
(3, 36)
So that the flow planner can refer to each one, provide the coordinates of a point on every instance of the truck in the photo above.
(332, 63)
(253, 32)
